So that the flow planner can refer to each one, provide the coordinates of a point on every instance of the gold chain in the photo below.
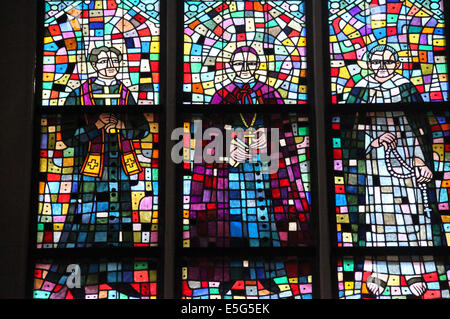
(245, 122)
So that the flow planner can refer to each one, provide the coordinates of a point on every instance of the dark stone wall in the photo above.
(17, 45)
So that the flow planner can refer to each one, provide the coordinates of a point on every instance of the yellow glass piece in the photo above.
(393, 280)
(154, 47)
(343, 73)
(348, 29)
(136, 199)
(378, 24)
(342, 218)
(145, 80)
(145, 216)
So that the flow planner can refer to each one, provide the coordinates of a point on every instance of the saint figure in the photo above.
(239, 203)
(384, 85)
(106, 168)
(106, 165)
(104, 89)
(244, 88)
(396, 207)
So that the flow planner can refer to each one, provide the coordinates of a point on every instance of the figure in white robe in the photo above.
(396, 207)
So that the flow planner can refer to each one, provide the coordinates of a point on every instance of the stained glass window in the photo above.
(388, 196)
(255, 46)
(392, 196)
(246, 178)
(389, 165)
(242, 203)
(244, 215)
(246, 202)
(98, 181)
(387, 51)
(98, 188)
(107, 279)
(390, 178)
(101, 52)
(400, 281)
(247, 279)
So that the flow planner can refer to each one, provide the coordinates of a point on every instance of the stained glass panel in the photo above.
(98, 183)
(255, 191)
(129, 279)
(393, 277)
(387, 51)
(391, 178)
(247, 279)
(244, 52)
(101, 52)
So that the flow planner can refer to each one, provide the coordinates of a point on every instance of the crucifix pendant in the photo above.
(250, 135)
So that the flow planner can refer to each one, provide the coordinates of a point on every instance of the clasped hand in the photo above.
(240, 153)
(109, 121)
(421, 171)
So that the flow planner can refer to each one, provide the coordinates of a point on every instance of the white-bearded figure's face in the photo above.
(383, 64)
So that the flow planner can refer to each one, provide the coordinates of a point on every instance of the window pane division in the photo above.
(106, 279)
(252, 279)
(242, 203)
(99, 167)
(252, 53)
(233, 203)
(228, 42)
(88, 44)
(388, 161)
(98, 189)
(387, 51)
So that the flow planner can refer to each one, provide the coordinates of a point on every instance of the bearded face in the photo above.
(383, 64)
